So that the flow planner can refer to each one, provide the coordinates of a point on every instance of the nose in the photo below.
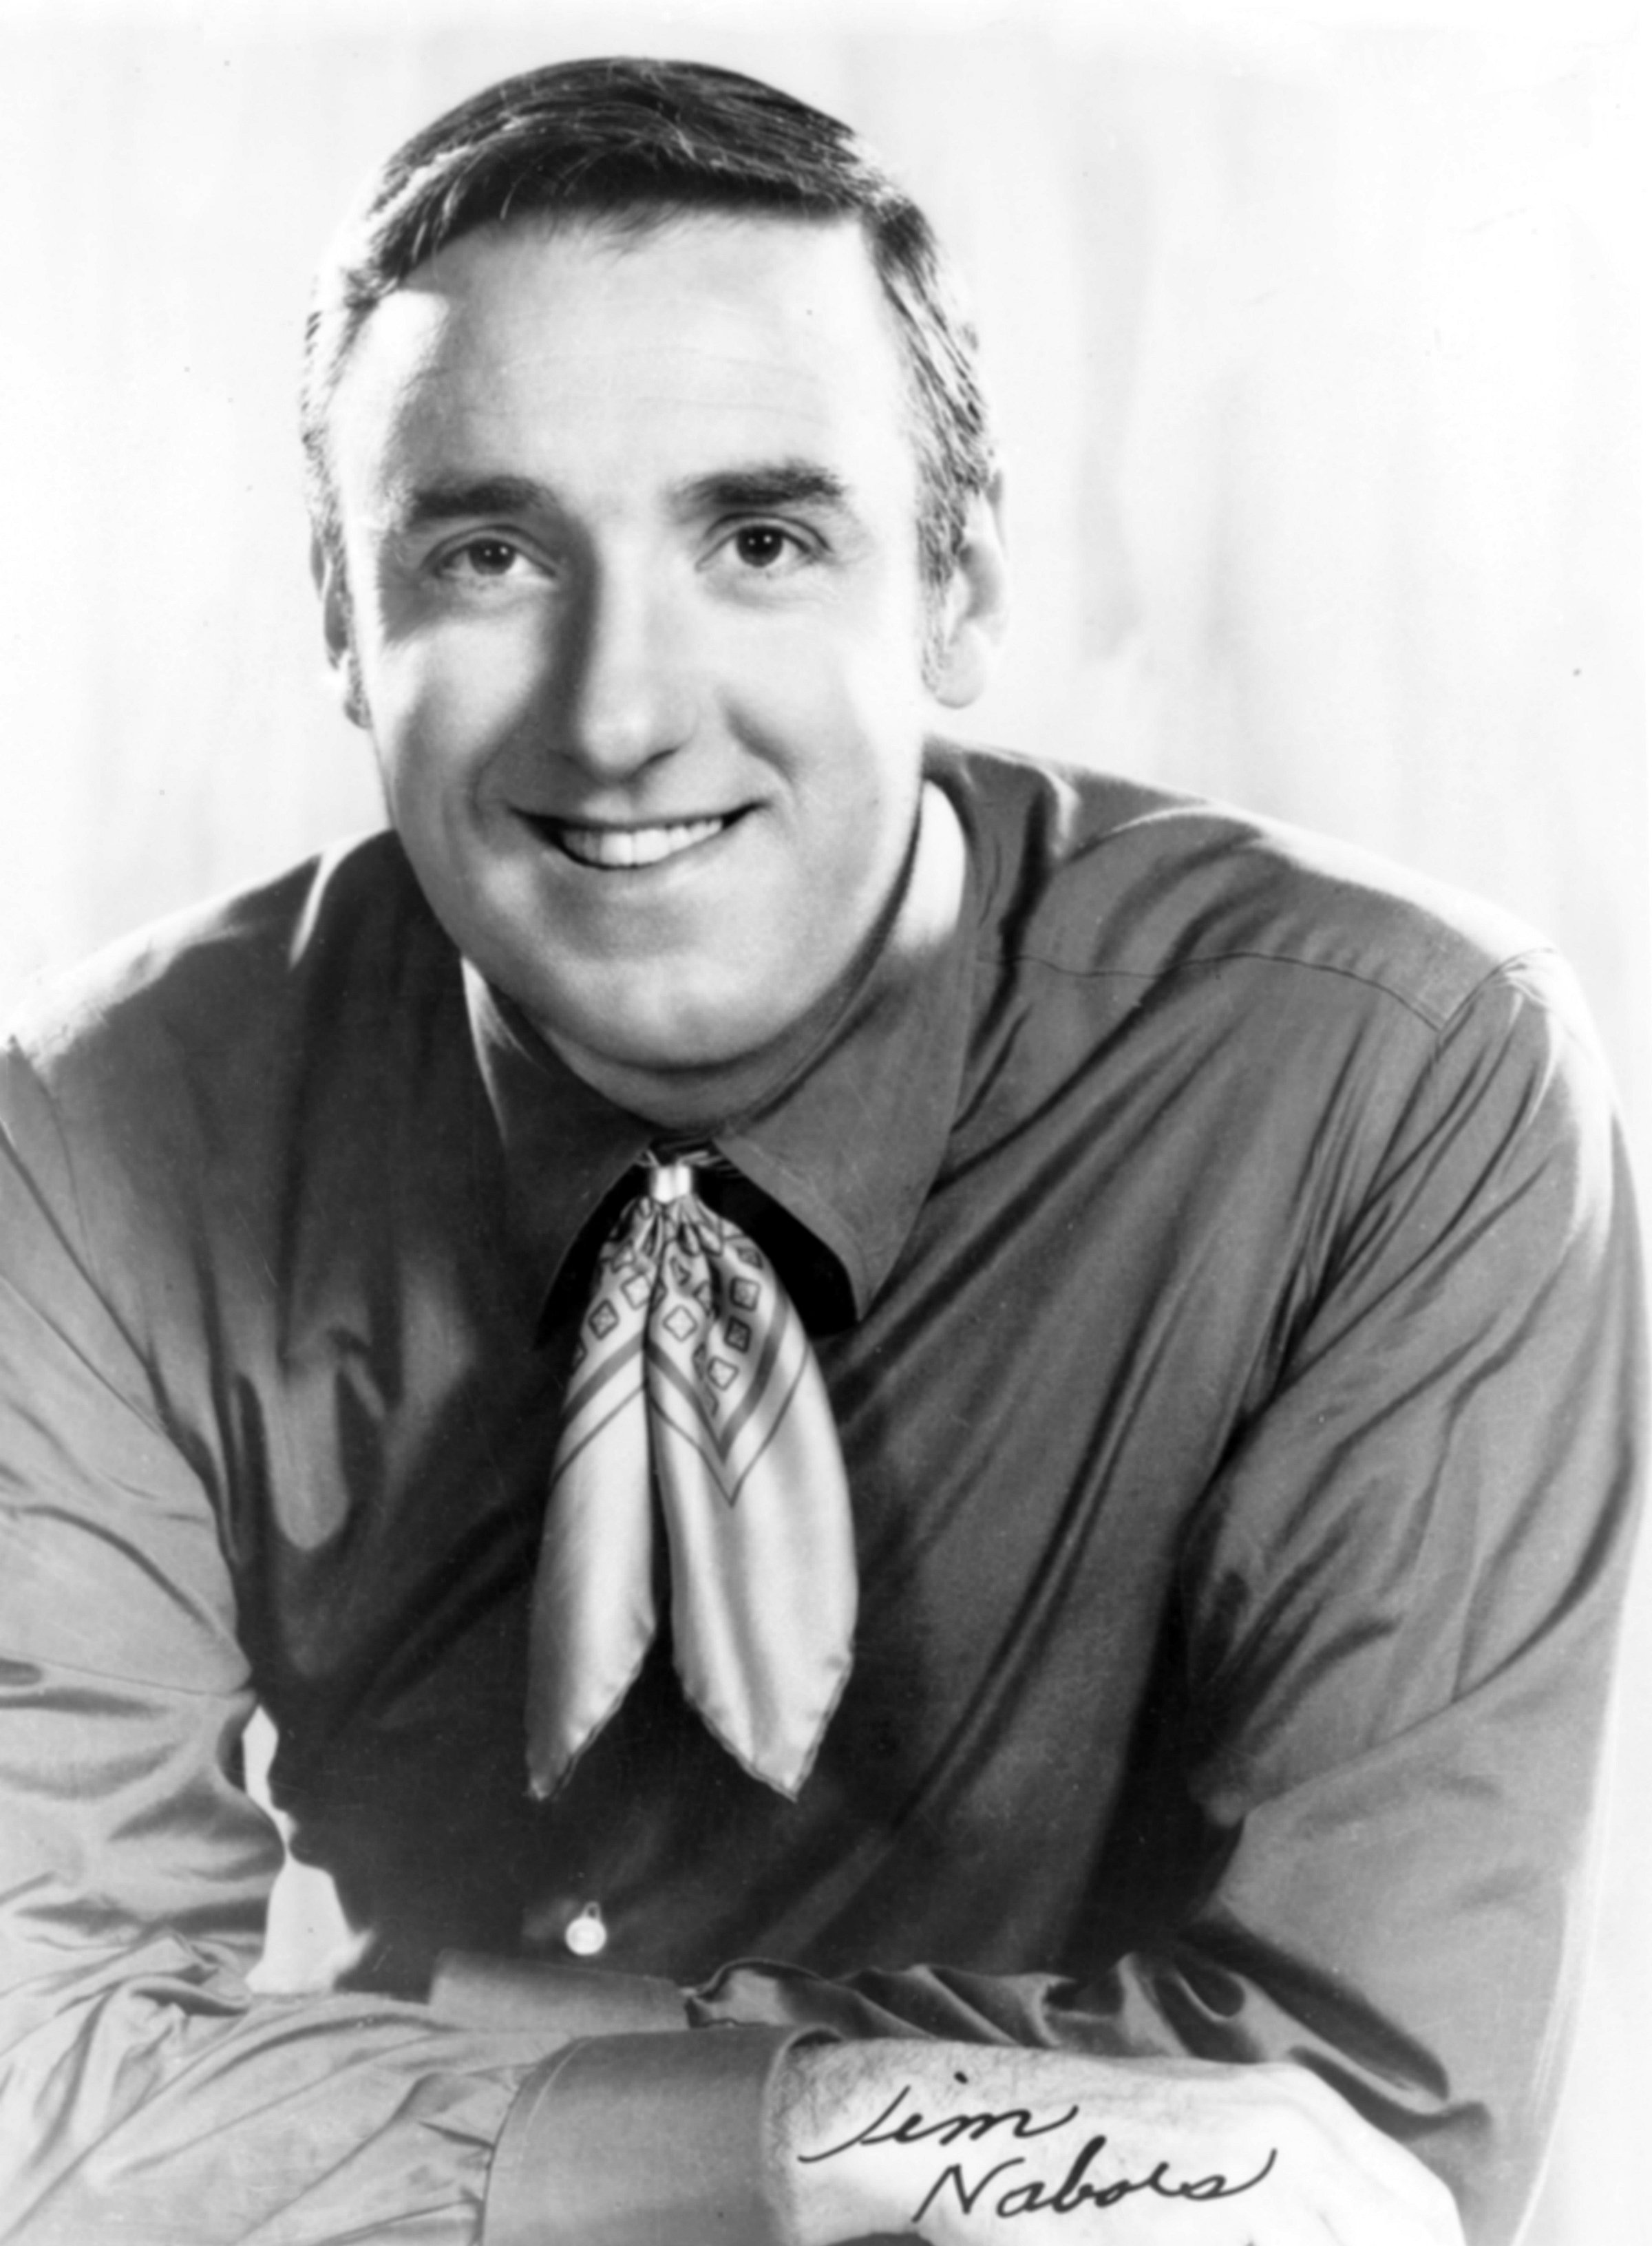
(625, 678)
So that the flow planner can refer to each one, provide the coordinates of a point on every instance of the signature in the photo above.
(912, 2128)
(1034, 2196)
(1073, 2192)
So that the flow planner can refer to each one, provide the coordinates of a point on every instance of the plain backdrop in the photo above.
(1314, 333)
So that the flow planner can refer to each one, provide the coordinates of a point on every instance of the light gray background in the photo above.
(1314, 332)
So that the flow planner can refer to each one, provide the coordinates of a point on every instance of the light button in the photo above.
(585, 1934)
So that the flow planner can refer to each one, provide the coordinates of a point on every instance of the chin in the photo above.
(654, 1040)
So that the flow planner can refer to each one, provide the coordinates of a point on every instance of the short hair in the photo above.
(633, 141)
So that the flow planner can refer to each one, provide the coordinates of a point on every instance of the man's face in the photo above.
(631, 538)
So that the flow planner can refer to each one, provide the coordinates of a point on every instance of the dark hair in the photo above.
(631, 140)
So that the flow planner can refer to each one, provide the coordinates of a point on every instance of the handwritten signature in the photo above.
(1035, 2196)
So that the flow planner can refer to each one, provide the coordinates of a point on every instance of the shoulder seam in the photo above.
(1004, 955)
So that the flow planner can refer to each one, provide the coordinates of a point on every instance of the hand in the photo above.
(970, 2145)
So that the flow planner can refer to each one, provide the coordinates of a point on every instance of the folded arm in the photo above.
(1397, 1604)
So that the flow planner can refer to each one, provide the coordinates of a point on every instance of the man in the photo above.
(1135, 1762)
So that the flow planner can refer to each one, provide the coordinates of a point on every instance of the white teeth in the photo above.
(634, 845)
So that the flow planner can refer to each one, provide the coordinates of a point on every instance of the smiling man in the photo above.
(928, 1459)
(651, 497)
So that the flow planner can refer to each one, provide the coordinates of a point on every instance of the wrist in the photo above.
(829, 2183)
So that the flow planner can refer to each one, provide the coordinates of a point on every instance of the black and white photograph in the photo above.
(826, 1114)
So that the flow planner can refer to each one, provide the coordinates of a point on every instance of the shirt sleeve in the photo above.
(147, 2096)
(1397, 1600)
(1399, 1604)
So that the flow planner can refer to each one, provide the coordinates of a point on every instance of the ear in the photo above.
(974, 608)
(327, 571)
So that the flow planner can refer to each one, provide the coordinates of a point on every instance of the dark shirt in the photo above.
(1217, 1253)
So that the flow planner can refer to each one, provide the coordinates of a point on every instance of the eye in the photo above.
(765, 546)
(480, 557)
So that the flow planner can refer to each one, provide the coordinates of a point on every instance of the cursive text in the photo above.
(1003, 2192)
(913, 2129)
(1074, 2190)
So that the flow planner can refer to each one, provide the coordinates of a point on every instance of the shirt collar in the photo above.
(848, 1146)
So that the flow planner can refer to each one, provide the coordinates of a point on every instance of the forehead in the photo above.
(601, 347)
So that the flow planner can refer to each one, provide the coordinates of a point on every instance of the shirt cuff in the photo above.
(561, 2001)
(631, 2137)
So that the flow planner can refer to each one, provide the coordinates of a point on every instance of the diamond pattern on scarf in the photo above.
(693, 1383)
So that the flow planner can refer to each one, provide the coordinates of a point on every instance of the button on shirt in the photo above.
(1217, 1254)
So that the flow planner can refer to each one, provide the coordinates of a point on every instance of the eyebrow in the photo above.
(754, 490)
(457, 497)
(762, 487)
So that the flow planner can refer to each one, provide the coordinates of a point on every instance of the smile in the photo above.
(621, 849)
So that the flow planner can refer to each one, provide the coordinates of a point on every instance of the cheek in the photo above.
(445, 708)
(843, 710)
